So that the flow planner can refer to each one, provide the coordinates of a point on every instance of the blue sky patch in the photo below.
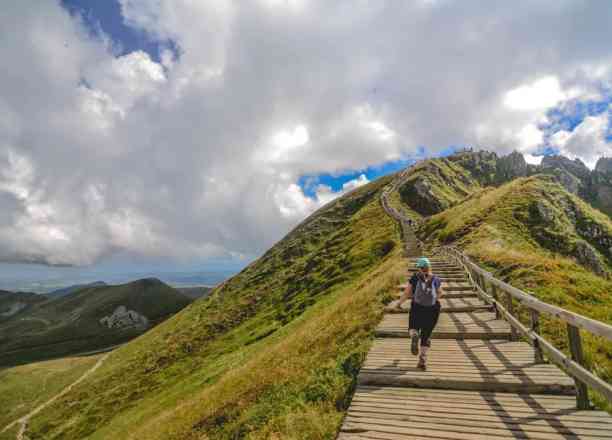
(309, 183)
(105, 16)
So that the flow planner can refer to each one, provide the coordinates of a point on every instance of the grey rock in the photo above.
(543, 211)
(588, 257)
(604, 165)
(576, 166)
(123, 318)
(511, 166)
(569, 181)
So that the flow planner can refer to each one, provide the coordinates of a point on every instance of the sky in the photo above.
(198, 133)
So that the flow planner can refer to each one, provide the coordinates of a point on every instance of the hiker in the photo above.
(424, 289)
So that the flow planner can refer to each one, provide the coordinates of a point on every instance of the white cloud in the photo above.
(541, 94)
(199, 155)
(586, 142)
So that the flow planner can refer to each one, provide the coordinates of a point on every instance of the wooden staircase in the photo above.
(480, 384)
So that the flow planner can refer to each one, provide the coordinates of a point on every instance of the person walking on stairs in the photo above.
(424, 289)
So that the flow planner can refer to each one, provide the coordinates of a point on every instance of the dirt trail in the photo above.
(23, 421)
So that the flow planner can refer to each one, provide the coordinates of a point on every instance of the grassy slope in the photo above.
(25, 387)
(273, 353)
(449, 183)
(70, 324)
(496, 227)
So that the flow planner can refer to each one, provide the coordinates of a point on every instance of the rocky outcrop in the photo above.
(425, 200)
(575, 167)
(588, 257)
(567, 180)
(511, 166)
(604, 165)
(543, 212)
(595, 233)
(123, 318)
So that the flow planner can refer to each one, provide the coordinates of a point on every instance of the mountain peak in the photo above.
(604, 165)
(576, 166)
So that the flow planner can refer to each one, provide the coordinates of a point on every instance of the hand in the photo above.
(393, 305)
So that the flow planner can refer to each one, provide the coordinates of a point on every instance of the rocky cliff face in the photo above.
(604, 165)
(575, 167)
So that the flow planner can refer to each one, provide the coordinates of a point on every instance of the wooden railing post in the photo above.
(575, 345)
(510, 308)
(535, 327)
(496, 298)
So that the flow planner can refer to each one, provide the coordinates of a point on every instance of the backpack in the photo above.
(425, 293)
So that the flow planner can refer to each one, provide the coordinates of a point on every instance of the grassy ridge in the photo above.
(273, 352)
(435, 185)
(25, 387)
(70, 324)
(500, 229)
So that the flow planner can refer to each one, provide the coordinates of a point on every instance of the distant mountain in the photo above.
(274, 352)
(85, 319)
(436, 185)
(12, 303)
(196, 292)
(69, 289)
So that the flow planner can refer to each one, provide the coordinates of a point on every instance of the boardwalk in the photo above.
(480, 384)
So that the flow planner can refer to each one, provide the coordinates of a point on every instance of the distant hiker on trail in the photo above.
(424, 289)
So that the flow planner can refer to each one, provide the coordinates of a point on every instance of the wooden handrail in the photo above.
(479, 278)
(574, 365)
(595, 327)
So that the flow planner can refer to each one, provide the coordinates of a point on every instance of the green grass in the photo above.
(273, 353)
(70, 324)
(496, 227)
(25, 387)
(448, 184)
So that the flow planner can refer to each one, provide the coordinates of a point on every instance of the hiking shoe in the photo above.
(414, 344)
(422, 365)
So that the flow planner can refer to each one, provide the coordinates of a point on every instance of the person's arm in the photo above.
(405, 296)
(440, 289)
(396, 305)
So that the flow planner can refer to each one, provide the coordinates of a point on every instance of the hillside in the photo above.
(12, 303)
(24, 387)
(273, 351)
(70, 289)
(196, 292)
(76, 322)
(534, 234)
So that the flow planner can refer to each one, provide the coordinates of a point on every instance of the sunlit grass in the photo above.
(496, 228)
(278, 346)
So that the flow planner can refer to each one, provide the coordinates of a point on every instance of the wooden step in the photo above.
(448, 295)
(451, 286)
(473, 325)
(453, 305)
(391, 413)
(494, 365)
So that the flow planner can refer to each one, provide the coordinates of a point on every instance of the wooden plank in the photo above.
(464, 366)
(462, 431)
(415, 418)
(391, 413)
(450, 305)
(481, 325)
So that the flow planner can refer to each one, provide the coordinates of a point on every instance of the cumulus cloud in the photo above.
(586, 141)
(199, 155)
